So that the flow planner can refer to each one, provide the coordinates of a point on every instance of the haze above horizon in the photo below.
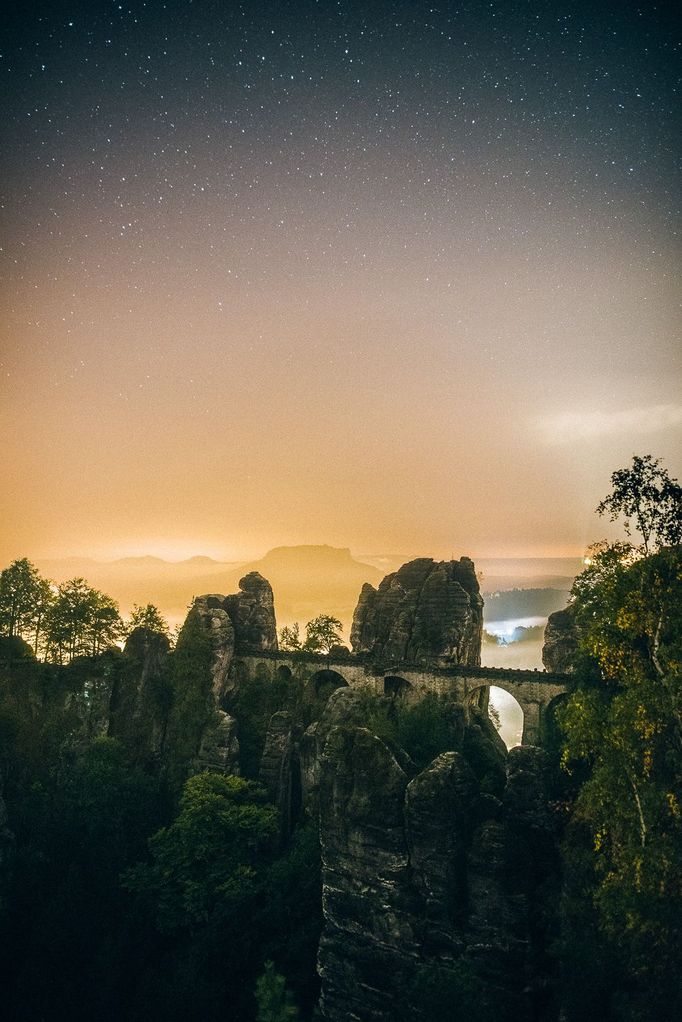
(396, 276)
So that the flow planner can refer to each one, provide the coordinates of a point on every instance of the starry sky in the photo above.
(395, 276)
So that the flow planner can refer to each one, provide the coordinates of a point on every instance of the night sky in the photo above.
(396, 276)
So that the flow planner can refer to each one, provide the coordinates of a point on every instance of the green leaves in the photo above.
(321, 635)
(148, 617)
(624, 727)
(290, 637)
(207, 861)
(61, 622)
(648, 500)
(81, 622)
(25, 600)
(275, 1003)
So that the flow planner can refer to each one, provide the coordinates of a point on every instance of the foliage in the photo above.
(275, 1003)
(624, 733)
(649, 500)
(148, 617)
(205, 863)
(67, 621)
(463, 989)
(290, 637)
(423, 729)
(187, 934)
(322, 633)
(14, 648)
(76, 827)
(25, 599)
(80, 622)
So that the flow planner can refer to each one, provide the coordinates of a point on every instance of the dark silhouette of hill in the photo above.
(515, 603)
(309, 580)
(306, 580)
(168, 584)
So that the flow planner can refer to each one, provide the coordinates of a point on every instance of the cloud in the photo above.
(569, 426)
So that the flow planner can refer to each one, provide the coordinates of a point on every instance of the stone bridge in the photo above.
(535, 691)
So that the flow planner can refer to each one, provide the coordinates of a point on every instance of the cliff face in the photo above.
(279, 770)
(242, 621)
(200, 730)
(252, 612)
(561, 642)
(137, 714)
(429, 882)
(424, 611)
(219, 748)
(216, 623)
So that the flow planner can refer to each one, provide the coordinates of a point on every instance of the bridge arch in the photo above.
(284, 673)
(535, 692)
(506, 710)
(325, 681)
(263, 672)
(550, 727)
(396, 687)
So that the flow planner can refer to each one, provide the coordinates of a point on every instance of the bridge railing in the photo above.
(378, 667)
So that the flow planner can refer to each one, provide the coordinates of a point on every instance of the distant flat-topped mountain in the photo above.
(306, 580)
(309, 580)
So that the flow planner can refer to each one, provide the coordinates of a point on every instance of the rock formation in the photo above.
(216, 623)
(344, 706)
(561, 642)
(244, 621)
(219, 749)
(425, 611)
(279, 773)
(252, 611)
(428, 881)
(138, 703)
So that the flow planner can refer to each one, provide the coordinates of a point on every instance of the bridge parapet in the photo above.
(533, 690)
(375, 667)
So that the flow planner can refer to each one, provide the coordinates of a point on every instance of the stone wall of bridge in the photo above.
(535, 691)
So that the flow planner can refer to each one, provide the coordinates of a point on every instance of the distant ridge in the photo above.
(307, 579)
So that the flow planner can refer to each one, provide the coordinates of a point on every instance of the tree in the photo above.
(649, 500)
(148, 617)
(43, 600)
(25, 601)
(79, 820)
(207, 863)
(105, 626)
(622, 731)
(275, 1003)
(290, 637)
(81, 622)
(322, 633)
(20, 590)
